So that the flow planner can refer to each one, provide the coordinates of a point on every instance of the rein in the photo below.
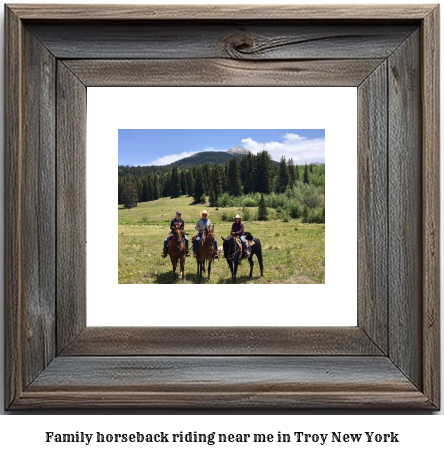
(236, 250)
(208, 249)
(179, 240)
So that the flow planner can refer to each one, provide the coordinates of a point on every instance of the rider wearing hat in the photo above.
(177, 221)
(237, 229)
(201, 224)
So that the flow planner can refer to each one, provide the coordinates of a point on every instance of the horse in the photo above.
(205, 252)
(176, 250)
(233, 254)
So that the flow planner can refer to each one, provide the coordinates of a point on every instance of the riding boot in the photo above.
(187, 253)
(164, 254)
(247, 254)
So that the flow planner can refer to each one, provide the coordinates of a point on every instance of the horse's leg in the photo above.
(209, 269)
(236, 264)
(174, 262)
(250, 260)
(261, 264)
(231, 269)
(182, 266)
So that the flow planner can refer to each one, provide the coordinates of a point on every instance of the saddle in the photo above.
(193, 239)
(249, 238)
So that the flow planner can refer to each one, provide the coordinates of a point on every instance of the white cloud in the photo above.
(167, 159)
(299, 148)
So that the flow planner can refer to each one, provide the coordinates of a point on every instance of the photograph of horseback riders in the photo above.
(221, 206)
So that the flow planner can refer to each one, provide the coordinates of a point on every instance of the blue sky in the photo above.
(161, 147)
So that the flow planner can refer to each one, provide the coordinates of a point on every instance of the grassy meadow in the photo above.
(293, 252)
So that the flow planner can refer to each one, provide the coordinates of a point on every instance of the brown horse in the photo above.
(176, 250)
(205, 252)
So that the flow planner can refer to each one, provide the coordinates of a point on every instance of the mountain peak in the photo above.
(238, 150)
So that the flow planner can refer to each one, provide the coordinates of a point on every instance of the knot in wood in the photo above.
(239, 45)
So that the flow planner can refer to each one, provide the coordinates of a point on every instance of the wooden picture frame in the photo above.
(390, 360)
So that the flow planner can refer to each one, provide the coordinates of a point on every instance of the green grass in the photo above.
(293, 252)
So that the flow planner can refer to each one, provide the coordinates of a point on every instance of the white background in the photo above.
(20, 434)
(331, 304)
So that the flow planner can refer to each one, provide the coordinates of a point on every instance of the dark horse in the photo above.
(205, 252)
(233, 254)
(177, 251)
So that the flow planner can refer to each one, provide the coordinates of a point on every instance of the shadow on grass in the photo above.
(167, 277)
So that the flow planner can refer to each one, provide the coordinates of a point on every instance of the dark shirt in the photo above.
(238, 229)
(175, 222)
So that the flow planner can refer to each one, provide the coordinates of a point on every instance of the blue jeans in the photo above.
(165, 243)
(196, 243)
(244, 243)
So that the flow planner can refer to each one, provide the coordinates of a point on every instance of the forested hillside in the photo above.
(297, 190)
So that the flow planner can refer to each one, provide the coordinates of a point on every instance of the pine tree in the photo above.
(217, 181)
(291, 172)
(296, 173)
(311, 167)
(175, 183)
(139, 188)
(129, 194)
(150, 186)
(183, 182)
(146, 193)
(167, 185)
(305, 214)
(263, 178)
(156, 190)
(262, 213)
(283, 175)
(248, 175)
(224, 178)
(199, 190)
(207, 178)
(306, 181)
(190, 182)
(120, 190)
(213, 199)
(234, 181)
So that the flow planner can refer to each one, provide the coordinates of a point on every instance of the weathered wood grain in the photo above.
(239, 40)
(220, 12)
(343, 399)
(13, 209)
(372, 206)
(127, 341)
(408, 377)
(38, 223)
(71, 206)
(221, 72)
(257, 381)
(430, 93)
(405, 209)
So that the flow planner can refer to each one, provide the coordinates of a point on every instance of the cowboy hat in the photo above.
(237, 217)
(203, 212)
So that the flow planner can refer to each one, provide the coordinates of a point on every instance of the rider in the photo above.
(237, 229)
(201, 224)
(177, 221)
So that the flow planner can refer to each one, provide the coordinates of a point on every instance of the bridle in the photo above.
(178, 238)
(208, 249)
(236, 249)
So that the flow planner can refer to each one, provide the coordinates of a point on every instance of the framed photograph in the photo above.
(312, 137)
